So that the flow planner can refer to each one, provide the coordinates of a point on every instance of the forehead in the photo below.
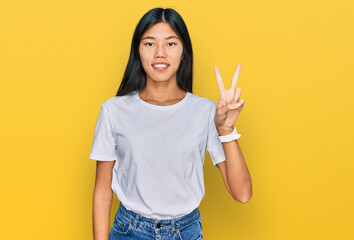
(160, 31)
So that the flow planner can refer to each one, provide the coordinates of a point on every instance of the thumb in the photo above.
(231, 106)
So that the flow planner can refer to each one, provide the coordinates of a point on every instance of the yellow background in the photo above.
(59, 60)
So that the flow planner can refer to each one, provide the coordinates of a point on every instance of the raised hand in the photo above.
(229, 106)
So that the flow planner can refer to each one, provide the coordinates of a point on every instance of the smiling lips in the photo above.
(160, 66)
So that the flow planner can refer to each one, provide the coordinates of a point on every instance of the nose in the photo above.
(160, 51)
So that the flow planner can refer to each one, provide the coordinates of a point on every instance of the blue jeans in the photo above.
(131, 225)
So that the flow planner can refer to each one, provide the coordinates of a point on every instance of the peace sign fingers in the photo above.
(229, 105)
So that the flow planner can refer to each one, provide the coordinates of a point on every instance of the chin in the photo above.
(160, 79)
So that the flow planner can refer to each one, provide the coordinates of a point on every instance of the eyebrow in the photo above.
(150, 37)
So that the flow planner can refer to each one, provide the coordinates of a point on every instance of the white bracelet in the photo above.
(232, 136)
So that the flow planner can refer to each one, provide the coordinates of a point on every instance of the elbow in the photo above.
(245, 194)
(243, 199)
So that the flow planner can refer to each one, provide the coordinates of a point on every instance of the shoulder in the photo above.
(203, 101)
(117, 100)
(204, 106)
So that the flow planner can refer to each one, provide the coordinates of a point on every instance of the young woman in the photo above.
(150, 139)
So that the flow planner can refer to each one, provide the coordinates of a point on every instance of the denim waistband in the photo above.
(162, 224)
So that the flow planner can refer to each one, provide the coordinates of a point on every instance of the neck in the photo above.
(163, 92)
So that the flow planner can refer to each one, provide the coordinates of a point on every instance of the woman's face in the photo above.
(160, 44)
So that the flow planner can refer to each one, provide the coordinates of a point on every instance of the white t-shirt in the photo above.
(159, 152)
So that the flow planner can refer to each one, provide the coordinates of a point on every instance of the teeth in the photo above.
(160, 65)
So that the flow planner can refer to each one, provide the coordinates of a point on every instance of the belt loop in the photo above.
(136, 220)
(173, 225)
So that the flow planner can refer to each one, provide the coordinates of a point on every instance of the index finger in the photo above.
(219, 81)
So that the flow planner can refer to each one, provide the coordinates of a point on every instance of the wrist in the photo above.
(222, 131)
(227, 137)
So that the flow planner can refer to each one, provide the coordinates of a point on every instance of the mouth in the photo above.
(160, 66)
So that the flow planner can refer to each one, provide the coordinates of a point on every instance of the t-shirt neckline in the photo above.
(159, 107)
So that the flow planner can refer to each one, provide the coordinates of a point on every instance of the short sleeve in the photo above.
(214, 146)
(103, 146)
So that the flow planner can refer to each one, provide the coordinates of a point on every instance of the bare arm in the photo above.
(235, 172)
(102, 200)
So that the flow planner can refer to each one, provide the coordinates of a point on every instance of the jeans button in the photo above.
(158, 225)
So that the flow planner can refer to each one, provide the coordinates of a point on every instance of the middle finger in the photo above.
(235, 77)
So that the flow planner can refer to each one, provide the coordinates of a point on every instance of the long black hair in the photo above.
(134, 75)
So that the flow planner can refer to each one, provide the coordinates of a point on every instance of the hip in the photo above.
(128, 224)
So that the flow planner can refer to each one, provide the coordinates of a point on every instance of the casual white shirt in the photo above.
(158, 152)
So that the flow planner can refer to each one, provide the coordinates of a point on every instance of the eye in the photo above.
(148, 43)
(171, 43)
